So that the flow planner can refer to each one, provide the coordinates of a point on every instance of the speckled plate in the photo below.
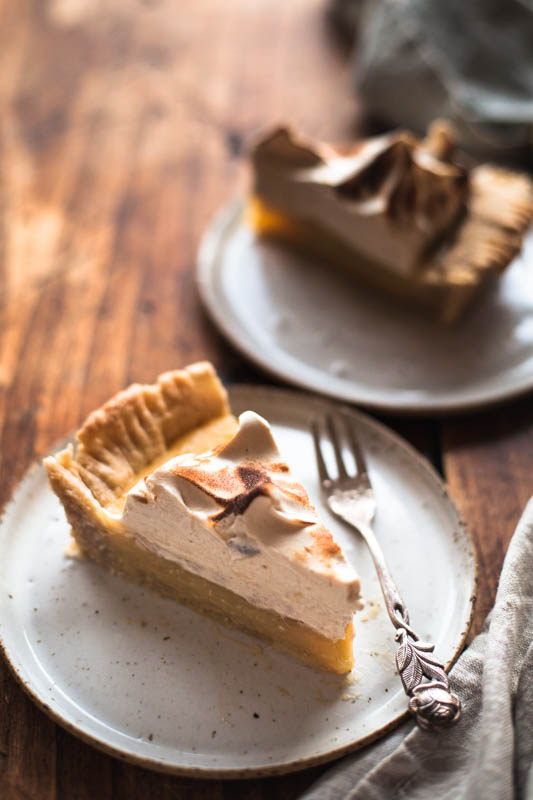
(311, 326)
(152, 682)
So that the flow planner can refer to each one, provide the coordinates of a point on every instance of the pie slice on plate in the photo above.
(166, 487)
(397, 212)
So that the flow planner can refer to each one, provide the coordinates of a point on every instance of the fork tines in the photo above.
(332, 423)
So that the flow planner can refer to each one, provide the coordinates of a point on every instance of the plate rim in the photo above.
(208, 773)
(207, 268)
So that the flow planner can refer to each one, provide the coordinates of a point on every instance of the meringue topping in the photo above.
(390, 197)
(237, 516)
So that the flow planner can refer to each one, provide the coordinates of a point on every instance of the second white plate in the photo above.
(311, 326)
(152, 682)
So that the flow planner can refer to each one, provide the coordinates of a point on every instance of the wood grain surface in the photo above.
(122, 129)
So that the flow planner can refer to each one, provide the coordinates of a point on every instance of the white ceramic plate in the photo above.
(155, 683)
(312, 326)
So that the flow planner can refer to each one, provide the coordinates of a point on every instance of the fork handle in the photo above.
(431, 701)
(396, 608)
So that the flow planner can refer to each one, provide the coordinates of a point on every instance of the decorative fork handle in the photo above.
(431, 702)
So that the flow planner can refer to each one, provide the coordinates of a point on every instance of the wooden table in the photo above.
(122, 129)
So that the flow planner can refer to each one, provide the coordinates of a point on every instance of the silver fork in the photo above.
(351, 497)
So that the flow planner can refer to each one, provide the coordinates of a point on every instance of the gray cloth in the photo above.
(468, 60)
(488, 754)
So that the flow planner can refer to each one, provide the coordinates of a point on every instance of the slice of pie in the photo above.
(165, 487)
(398, 212)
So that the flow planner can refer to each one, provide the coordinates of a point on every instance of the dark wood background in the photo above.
(122, 124)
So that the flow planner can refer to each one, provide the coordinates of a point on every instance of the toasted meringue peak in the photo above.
(282, 145)
(441, 140)
(254, 436)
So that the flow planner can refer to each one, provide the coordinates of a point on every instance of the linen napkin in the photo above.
(488, 754)
(470, 61)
